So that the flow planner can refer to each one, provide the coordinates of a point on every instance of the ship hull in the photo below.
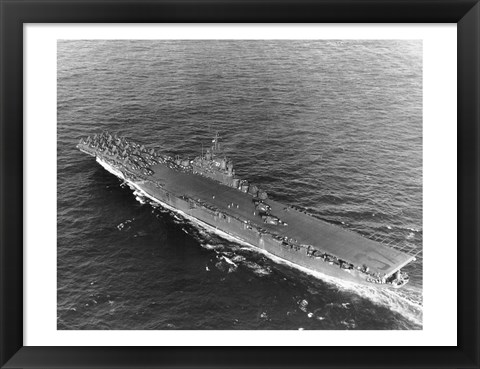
(234, 229)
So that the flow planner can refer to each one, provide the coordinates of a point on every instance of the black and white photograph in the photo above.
(239, 184)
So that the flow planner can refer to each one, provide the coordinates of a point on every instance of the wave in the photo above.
(405, 304)
(406, 301)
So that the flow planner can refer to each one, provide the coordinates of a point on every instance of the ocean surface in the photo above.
(334, 127)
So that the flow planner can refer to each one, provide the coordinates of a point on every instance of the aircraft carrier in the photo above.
(207, 190)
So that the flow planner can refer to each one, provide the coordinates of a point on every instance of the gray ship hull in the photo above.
(237, 231)
(231, 214)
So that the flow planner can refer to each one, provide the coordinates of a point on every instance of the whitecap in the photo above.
(257, 269)
(238, 258)
(229, 261)
(208, 246)
(350, 324)
(303, 305)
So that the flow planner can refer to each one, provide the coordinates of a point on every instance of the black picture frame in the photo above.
(14, 14)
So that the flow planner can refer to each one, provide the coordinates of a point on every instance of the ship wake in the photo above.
(406, 301)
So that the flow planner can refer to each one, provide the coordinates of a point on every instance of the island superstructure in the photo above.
(207, 190)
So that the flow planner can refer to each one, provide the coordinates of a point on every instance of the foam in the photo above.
(405, 305)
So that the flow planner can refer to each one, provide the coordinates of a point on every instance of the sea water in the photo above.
(332, 127)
